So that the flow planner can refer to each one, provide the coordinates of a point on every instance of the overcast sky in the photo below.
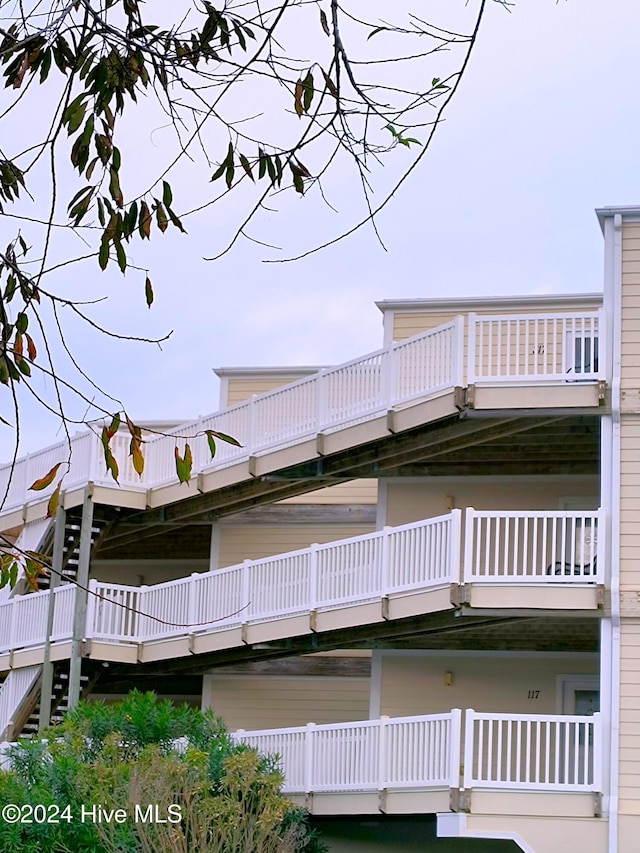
(544, 129)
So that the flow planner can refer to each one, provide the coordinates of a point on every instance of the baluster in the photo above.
(308, 757)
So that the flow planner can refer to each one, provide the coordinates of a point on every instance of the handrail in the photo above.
(331, 399)
(542, 347)
(502, 751)
(371, 755)
(500, 547)
(533, 752)
(321, 577)
(522, 546)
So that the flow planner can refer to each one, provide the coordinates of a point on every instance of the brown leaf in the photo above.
(144, 222)
(31, 347)
(323, 21)
(54, 500)
(18, 348)
(161, 217)
(330, 84)
(45, 481)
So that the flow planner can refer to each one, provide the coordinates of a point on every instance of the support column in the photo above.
(54, 580)
(80, 612)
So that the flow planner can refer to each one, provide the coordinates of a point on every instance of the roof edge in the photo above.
(487, 302)
(280, 370)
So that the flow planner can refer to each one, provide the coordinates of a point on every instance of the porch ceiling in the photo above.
(443, 630)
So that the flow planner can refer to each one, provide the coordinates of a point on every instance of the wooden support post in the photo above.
(80, 610)
(46, 688)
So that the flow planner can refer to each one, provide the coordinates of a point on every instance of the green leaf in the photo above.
(297, 97)
(174, 219)
(112, 429)
(114, 187)
(148, 292)
(103, 253)
(120, 255)
(167, 195)
(262, 163)
(307, 84)
(22, 321)
(376, 31)
(246, 166)
(184, 464)
(74, 113)
(110, 462)
(224, 437)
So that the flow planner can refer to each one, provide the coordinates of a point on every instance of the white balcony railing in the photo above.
(422, 555)
(403, 752)
(500, 547)
(23, 618)
(326, 401)
(501, 751)
(536, 347)
(533, 752)
(525, 546)
(506, 752)
(539, 348)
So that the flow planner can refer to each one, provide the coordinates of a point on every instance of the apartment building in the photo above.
(416, 580)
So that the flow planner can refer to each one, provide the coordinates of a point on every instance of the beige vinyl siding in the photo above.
(408, 323)
(353, 492)
(416, 684)
(239, 390)
(253, 542)
(629, 716)
(630, 503)
(629, 770)
(413, 501)
(263, 702)
(630, 367)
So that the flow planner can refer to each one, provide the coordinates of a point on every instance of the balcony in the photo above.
(510, 361)
(432, 763)
(533, 560)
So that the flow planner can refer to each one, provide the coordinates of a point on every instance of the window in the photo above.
(582, 356)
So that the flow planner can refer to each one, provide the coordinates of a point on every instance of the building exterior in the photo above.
(416, 580)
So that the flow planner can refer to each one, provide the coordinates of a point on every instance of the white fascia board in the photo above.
(461, 305)
(239, 372)
(629, 212)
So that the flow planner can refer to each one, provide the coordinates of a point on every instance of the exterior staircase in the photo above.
(20, 689)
